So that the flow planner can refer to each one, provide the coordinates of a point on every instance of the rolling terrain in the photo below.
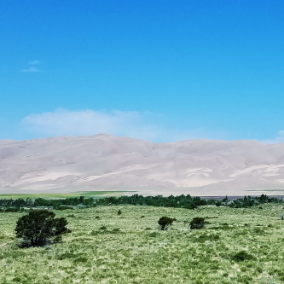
(106, 162)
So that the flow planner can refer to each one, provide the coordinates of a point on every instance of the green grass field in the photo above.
(94, 194)
(129, 248)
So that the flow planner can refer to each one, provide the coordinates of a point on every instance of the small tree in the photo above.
(39, 228)
(218, 203)
(165, 222)
(197, 223)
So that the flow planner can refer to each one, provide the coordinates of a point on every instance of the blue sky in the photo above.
(156, 70)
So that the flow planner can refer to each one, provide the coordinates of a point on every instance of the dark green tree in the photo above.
(39, 228)
(165, 222)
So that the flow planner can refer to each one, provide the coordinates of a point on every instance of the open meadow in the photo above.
(105, 247)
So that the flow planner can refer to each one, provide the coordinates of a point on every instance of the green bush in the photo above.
(39, 228)
(12, 209)
(197, 223)
(242, 256)
(190, 206)
(65, 207)
(218, 203)
(207, 237)
(165, 222)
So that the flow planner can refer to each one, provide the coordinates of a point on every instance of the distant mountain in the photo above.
(106, 162)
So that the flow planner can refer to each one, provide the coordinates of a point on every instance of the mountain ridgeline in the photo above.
(109, 163)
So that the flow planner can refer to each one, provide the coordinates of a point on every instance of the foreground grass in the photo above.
(108, 248)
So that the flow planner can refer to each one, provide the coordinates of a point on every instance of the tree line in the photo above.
(181, 201)
(187, 201)
(80, 201)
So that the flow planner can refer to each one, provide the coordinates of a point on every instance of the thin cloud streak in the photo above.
(278, 139)
(31, 70)
(140, 125)
(34, 62)
(90, 122)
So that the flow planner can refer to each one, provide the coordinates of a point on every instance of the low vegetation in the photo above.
(181, 201)
(236, 245)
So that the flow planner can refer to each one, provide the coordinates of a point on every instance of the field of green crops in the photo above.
(129, 248)
(94, 194)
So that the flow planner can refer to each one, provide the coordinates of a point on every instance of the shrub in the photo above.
(115, 230)
(65, 207)
(81, 259)
(207, 237)
(80, 206)
(197, 223)
(190, 206)
(218, 203)
(119, 212)
(165, 222)
(39, 228)
(12, 209)
(242, 256)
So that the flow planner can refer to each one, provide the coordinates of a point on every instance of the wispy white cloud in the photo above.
(90, 122)
(278, 139)
(34, 62)
(140, 125)
(31, 69)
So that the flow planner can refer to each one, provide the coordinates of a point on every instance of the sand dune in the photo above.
(106, 162)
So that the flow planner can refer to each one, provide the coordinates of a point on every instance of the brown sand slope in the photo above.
(106, 162)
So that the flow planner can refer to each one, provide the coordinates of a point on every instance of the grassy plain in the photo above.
(129, 248)
(94, 194)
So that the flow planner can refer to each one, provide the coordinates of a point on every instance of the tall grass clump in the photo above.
(197, 223)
